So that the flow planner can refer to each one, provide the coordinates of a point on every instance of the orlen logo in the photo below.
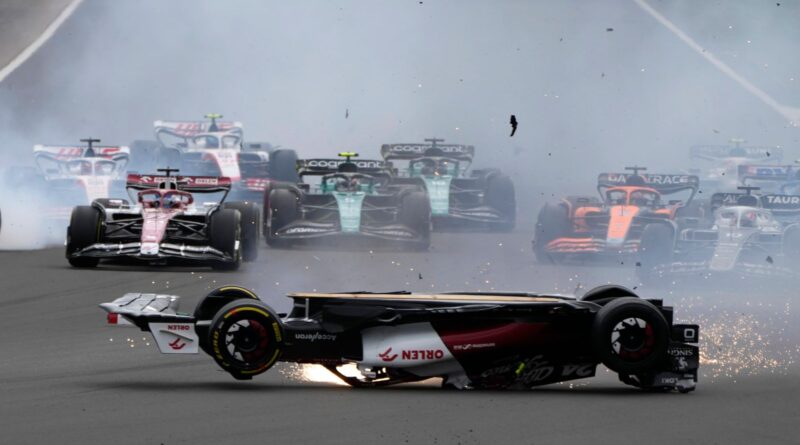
(387, 355)
(422, 354)
(178, 327)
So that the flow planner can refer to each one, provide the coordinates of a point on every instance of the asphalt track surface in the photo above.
(66, 377)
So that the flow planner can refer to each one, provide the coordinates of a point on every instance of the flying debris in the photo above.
(513, 122)
(346, 113)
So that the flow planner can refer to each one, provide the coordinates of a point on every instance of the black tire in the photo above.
(553, 222)
(225, 230)
(283, 210)
(630, 336)
(85, 226)
(500, 194)
(251, 227)
(603, 294)
(245, 338)
(415, 212)
(655, 250)
(283, 166)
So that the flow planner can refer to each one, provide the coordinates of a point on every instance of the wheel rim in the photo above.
(247, 341)
(633, 339)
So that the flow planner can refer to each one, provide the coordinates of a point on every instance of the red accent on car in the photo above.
(113, 318)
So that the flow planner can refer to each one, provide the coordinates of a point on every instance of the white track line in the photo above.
(789, 113)
(44, 37)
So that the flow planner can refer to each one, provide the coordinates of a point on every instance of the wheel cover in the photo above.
(633, 339)
(247, 341)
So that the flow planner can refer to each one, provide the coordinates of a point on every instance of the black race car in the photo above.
(352, 200)
(460, 198)
(470, 340)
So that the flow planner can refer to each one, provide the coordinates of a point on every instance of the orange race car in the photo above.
(584, 227)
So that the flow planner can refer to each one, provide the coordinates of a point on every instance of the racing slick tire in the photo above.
(283, 166)
(655, 249)
(553, 222)
(603, 294)
(245, 338)
(500, 194)
(251, 227)
(415, 212)
(282, 211)
(225, 228)
(85, 225)
(630, 335)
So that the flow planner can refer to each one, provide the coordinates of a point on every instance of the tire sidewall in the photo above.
(613, 313)
(233, 312)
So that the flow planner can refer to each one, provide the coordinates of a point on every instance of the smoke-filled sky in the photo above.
(595, 85)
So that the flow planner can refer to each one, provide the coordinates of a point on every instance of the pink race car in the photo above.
(166, 223)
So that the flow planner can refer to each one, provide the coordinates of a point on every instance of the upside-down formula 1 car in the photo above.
(584, 227)
(745, 239)
(166, 224)
(217, 148)
(478, 199)
(354, 201)
(469, 340)
(723, 161)
(66, 176)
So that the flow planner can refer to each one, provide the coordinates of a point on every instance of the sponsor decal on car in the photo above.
(473, 346)
(177, 345)
(412, 354)
(305, 230)
(312, 337)
(387, 355)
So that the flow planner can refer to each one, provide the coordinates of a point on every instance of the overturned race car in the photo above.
(469, 340)
(166, 224)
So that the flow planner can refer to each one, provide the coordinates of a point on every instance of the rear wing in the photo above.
(190, 128)
(174, 333)
(68, 152)
(195, 184)
(768, 172)
(663, 183)
(723, 152)
(327, 166)
(781, 204)
(725, 199)
(413, 151)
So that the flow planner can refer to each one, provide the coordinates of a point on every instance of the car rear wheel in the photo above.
(283, 166)
(251, 225)
(283, 210)
(500, 194)
(85, 225)
(630, 335)
(245, 338)
(552, 222)
(655, 251)
(225, 236)
(415, 213)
